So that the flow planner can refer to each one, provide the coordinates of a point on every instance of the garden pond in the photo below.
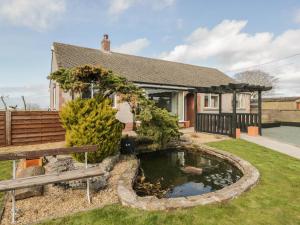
(180, 172)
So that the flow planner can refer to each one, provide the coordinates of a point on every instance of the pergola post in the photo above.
(234, 114)
(259, 112)
(220, 103)
(195, 111)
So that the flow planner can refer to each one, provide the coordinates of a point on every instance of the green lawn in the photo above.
(5, 173)
(275, 200)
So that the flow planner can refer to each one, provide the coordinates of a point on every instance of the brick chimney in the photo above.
(105, 43)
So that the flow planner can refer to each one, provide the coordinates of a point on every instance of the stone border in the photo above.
(128, 197)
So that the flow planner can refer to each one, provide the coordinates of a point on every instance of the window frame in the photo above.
(241, 101)
(210, 101)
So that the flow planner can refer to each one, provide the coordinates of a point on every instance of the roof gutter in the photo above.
(161, 86)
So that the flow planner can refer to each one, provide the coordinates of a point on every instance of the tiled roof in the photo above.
(140, 69)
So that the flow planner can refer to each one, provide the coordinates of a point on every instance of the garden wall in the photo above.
(30, 127)
(275, 115)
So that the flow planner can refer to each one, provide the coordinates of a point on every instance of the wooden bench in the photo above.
(19, 183)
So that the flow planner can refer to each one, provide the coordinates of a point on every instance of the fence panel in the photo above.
(35, 127)
(246, 119)
(222, 123)
(214, 123)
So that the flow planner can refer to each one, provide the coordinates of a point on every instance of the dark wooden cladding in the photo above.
(214, 123)
(246, 119)
(2, 129)
(45, 152)
(222, 123)
(31, 127)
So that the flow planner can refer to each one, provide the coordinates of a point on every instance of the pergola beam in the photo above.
(231, 87)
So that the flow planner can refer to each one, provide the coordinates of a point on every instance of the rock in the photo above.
(67, 163)
(31, 191)
(191, 169)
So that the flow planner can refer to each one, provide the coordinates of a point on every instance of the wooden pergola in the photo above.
(233, 88)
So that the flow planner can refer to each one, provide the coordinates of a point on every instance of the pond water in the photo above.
(286, 134)
(168, 168)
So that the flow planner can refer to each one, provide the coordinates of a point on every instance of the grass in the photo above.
(275, 200)
(5, 173)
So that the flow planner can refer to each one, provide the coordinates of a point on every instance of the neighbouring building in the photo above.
(279, 109)
(281, 103)
(169, 84)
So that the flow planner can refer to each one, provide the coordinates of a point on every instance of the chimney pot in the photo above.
(105, 43)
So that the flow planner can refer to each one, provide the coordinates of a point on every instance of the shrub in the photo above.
(92, 122)
(81, 122)
(157, 124)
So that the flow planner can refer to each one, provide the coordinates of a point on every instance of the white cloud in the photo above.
(161, 4)
(35, 14)
(133, 47)
(227, 47)
(117, 7)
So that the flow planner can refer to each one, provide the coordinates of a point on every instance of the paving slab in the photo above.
(275, 145)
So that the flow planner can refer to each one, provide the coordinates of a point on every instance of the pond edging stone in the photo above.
(128, 197)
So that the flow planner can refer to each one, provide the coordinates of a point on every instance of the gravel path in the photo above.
(57, 202)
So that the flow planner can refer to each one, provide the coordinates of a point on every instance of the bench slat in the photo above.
(14, 155)
(8, 185)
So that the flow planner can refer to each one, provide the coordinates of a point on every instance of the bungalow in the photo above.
(169, 84)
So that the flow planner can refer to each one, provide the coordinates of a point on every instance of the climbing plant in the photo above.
(156, 123)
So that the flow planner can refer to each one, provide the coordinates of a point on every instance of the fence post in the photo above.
(196, 111)
(233, 125)
(259, 112)
(8, 127)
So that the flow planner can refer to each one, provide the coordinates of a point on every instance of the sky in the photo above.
(231, 35)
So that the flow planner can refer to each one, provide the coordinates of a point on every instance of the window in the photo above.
(87, 93)
(114, 99)
(240, 101)
(214, 101)
(162, 100)
(206, 101)
(211, 101)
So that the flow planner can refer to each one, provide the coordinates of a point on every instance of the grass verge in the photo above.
(5, 173)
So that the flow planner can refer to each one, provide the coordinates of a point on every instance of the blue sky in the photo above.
(229, 35)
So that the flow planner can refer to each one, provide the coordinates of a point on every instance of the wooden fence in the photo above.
(2, 129)
(30, 127)
(214, 123)
(244, 120)
(222, 123)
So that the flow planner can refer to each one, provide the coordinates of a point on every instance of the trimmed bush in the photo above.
(159, 125)
(92, 122)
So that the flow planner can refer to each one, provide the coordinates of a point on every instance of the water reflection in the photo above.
(167, 165)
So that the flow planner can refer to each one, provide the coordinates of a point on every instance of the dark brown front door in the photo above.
(190, 113)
